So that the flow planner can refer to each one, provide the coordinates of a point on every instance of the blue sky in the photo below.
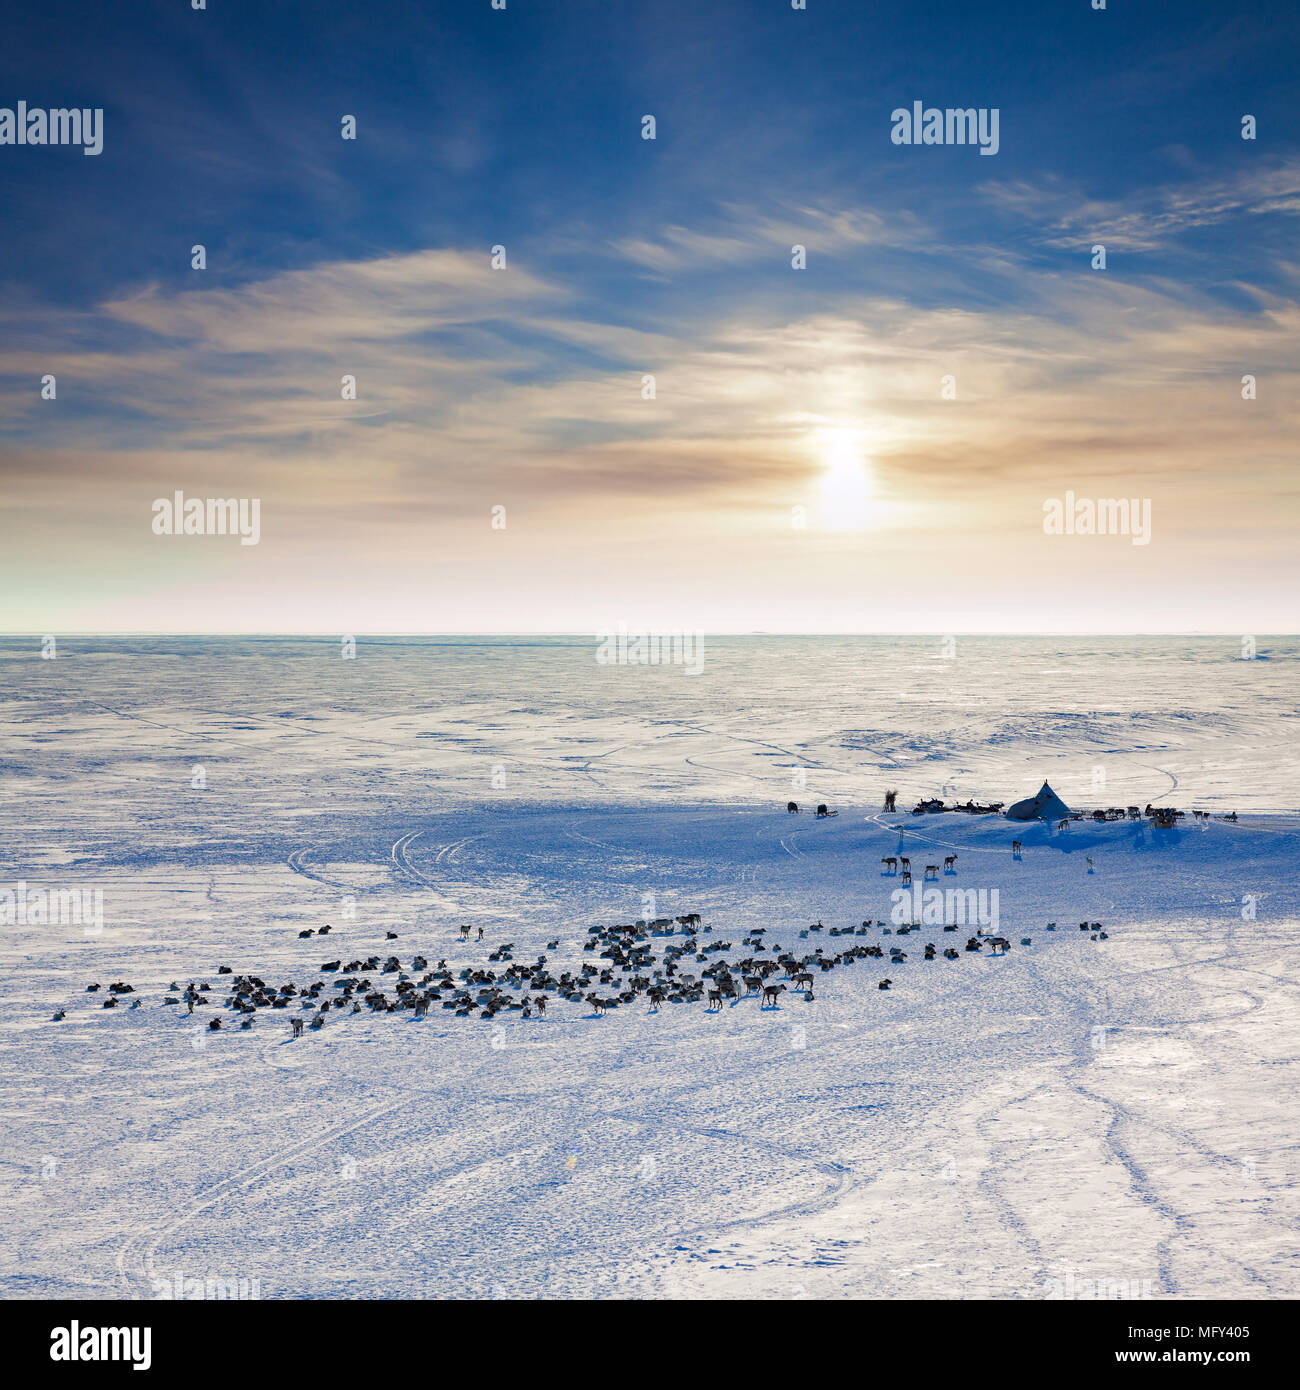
(520, 388)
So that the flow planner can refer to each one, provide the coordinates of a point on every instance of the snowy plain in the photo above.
(1075, 1118)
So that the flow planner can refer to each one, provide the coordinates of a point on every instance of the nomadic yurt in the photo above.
(1045, 806)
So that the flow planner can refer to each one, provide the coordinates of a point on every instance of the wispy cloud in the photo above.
(1152, 219)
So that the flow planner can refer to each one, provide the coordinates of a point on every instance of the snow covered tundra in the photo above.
(1084, 1113)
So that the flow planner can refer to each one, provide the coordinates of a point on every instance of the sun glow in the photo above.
(846, 498)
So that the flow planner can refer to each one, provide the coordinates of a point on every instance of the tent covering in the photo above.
(1045, 806)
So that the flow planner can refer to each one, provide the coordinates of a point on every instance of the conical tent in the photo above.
(1045, 806)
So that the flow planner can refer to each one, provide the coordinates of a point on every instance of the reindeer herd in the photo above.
(688, 970)
(665, 960)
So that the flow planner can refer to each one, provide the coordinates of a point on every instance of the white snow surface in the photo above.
(1075, 1117)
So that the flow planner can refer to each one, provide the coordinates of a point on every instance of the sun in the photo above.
(846, 497)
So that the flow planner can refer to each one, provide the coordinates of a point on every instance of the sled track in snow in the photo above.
(402, 864)
(245, 1177)
(295, 862)
(447, 854)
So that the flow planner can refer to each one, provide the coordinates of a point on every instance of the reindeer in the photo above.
(907, 878)
(792, 808)
(950, 864)
(753, 983)
(1015, 848)
(999, 945)
(1089, 862)
(771, 993)
(464, 933)
(890, 862)
(296, 1025)
(803, 980)
(715, 999)
(931, 871)
(905, 862)
(891, 797)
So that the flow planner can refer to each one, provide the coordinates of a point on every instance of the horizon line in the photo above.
(587, 633)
